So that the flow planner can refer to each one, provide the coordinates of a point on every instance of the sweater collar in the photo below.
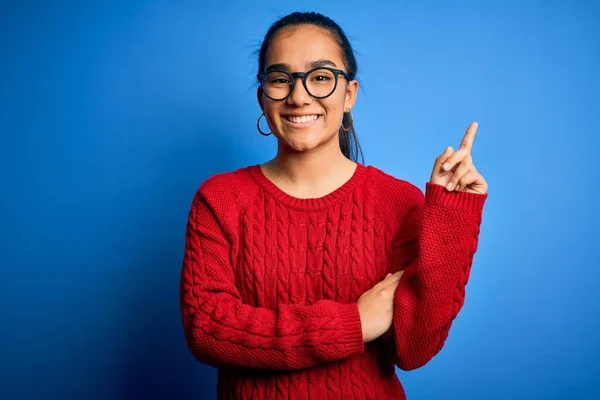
(316, 203)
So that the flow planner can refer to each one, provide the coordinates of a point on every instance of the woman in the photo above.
(312, 275)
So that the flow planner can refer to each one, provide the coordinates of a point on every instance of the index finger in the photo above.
(467, 142)
(394, 277)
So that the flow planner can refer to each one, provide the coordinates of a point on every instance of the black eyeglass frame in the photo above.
(303, 75)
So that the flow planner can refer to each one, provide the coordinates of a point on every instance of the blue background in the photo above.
(113, 113)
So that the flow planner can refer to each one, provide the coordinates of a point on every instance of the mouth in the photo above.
(301, 121)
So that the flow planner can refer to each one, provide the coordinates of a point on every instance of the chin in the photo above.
(302, 145)
(305, 141)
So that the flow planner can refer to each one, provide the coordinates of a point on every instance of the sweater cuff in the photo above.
(462, 201)
(352, 325)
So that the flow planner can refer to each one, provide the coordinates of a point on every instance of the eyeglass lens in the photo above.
(319, 83)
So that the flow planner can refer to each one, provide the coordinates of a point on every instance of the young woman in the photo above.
(312, 275)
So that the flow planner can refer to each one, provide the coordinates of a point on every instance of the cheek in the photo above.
(335, 107)
(271, 112)
(334, 114)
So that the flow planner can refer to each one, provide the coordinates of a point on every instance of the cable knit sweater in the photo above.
(270, 282)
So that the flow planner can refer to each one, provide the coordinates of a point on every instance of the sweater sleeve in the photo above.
(221, 330)
(435, 248)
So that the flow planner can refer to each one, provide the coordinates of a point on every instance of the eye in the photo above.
(277, 79)
(280, 81)
(322, 78)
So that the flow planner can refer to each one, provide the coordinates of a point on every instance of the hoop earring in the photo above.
(351, 123)
(258, 126)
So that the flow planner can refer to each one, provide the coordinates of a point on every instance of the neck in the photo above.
(310, 169)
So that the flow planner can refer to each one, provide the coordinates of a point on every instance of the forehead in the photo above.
(300, 45)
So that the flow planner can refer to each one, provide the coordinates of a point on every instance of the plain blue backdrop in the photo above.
(113, 113)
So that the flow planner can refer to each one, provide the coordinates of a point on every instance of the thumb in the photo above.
(444, 156)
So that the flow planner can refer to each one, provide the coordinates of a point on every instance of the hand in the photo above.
(376, 307)
(456, 170)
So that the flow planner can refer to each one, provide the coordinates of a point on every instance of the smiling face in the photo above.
(302, 122)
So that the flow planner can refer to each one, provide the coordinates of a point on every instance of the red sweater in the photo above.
(270, 282)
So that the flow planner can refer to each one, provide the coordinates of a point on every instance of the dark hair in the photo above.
(348, 140)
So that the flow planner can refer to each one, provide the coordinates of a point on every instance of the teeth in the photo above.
(303, 119)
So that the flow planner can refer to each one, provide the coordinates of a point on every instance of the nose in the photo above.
(299, 95)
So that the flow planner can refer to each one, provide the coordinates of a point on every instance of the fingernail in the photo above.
(449, 186)
(447, 166)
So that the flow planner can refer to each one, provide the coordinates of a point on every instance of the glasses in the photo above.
(319, 82)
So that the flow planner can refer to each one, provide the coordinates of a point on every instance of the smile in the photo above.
(301, 121)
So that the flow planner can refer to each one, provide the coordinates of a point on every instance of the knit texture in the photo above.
(270, 282)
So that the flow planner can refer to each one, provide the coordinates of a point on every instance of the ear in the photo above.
(351, 91)
(259, 97)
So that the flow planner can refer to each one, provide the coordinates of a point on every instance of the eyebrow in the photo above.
(312, 64)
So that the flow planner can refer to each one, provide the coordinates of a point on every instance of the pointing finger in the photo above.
(465, 147)
(467, 142)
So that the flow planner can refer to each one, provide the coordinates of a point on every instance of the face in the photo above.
(299, 48)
